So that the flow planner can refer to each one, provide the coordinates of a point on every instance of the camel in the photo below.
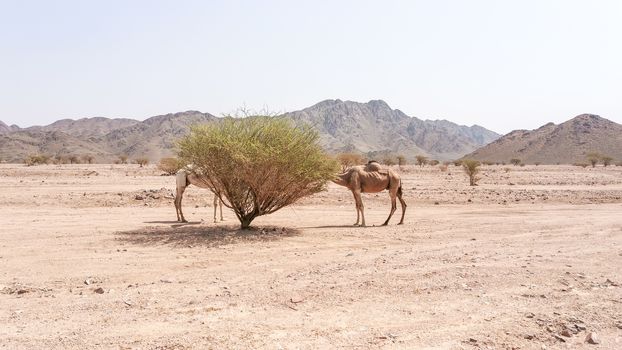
(372, 178)
(184, 178)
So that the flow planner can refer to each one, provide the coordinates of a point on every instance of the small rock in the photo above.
(166, 280)
(296, 299)
(566, 333)
(436, 203)
(528, 336)
(139, 197)
(580, 326)
(559, 337)
(350, 254)
(592, 338)
(530, 315)
(99, 290)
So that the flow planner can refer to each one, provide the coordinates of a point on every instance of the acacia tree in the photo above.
(421, 160)
(593, 158)
(349, 159)
(259, 164)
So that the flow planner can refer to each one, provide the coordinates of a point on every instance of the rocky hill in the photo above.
(566, 143)
(374, 126)
(86, 128)
(6, 128)
(371, 127)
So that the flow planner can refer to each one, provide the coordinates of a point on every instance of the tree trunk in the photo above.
(246, 221)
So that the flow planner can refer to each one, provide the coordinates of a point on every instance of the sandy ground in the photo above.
(91, 257)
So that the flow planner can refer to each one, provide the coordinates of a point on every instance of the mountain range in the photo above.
(566, 143)
(344, 126)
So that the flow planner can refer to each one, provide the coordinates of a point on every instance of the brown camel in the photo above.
(372, 178)
(184, 178)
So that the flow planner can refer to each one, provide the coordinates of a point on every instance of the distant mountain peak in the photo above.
(567, 142)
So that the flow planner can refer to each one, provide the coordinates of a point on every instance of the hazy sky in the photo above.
(500, 64)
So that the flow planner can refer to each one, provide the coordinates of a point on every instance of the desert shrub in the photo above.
(87, 158)
(401, 160)
(433, 162)
(349, 159)
(37, 159)
(619, 164)
(142, 161)
(471, 168)
(593, 158)
(122, 159)
(389, 160)
(73, 159)
(515, 161)
(538, 163)
(457, 162)
(583, 165)
(522, 164)
(606, 160)
(487, 162)
(258, 165)
(421, 160)
(170, 165)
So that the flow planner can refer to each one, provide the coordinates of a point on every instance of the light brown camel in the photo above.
(184, 178)
(372, 178)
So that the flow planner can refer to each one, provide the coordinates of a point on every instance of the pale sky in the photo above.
(501, 64)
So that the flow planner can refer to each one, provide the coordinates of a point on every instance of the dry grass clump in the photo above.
(142, 161)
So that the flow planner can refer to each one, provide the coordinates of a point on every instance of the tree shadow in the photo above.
(191, 235)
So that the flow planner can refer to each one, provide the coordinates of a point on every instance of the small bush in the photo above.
(471, 168)
(142, 161)
(593, 158)
(433, 162)
(401, 160)
(606, 160)
(421, 160)
(37, 159)
(619, 164)
(538, 163)
(122, 159)
(349, 159)
(487, 162)
(170, 166)
(87, 158)
(458, 162)
(73, 159)
(515, 161)
(389, 161)
(583, 165)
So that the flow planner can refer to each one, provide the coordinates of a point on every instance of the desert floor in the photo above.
(91, 257)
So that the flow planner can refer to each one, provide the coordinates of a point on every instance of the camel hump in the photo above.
(372, 165)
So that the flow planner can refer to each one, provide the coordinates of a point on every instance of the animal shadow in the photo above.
(202, 235)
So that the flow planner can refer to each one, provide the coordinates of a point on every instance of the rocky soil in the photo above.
(91, 257)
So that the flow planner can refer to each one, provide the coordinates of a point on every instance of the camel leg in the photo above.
(178, 198)
(220, 205)
(356, 205)
(361, 208)
(215, 203)
(402, 203)
(393, 207)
